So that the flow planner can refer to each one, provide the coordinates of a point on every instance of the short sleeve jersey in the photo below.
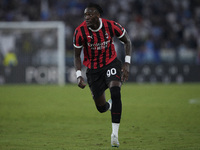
(98, 46)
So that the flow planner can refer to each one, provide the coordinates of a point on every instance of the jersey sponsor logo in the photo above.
(99, 46)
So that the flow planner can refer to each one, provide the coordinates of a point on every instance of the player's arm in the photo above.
(77, 64)
(128, 50)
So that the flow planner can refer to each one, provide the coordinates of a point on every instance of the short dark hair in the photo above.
(96, 6)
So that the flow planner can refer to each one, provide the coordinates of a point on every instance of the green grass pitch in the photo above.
(155, 117)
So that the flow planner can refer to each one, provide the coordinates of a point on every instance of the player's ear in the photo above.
(99, 15)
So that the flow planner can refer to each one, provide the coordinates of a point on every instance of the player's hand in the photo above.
(125, 71)
(81, 83)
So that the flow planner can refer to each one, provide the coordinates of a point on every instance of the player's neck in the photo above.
(96, 25)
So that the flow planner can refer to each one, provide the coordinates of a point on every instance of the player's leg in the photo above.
(114, 83)
(101, 104)
(115, 92)
(98, 86)
(116, 110)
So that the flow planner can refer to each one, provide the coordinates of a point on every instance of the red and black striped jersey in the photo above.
(98, 46)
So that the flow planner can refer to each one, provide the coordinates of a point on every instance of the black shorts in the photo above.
(99, 79)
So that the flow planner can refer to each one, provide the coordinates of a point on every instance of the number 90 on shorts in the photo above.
(111, 71)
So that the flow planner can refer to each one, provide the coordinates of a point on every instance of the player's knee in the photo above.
(102, 109)
(115, 93)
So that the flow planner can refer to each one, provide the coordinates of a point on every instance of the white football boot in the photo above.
(114, 141)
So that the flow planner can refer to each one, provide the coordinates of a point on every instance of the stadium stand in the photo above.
(161, 31)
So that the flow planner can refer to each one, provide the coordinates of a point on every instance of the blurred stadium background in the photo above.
(36, 48)
(165, 35)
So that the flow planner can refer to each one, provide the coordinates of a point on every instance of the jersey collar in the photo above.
(99, 26)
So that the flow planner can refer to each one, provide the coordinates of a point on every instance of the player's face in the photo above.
(91, 16)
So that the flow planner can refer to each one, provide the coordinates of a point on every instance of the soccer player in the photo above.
(104, 70)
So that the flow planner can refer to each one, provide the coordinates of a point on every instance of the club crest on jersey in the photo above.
(107, 36)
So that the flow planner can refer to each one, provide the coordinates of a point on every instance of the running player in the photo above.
(95, 37)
